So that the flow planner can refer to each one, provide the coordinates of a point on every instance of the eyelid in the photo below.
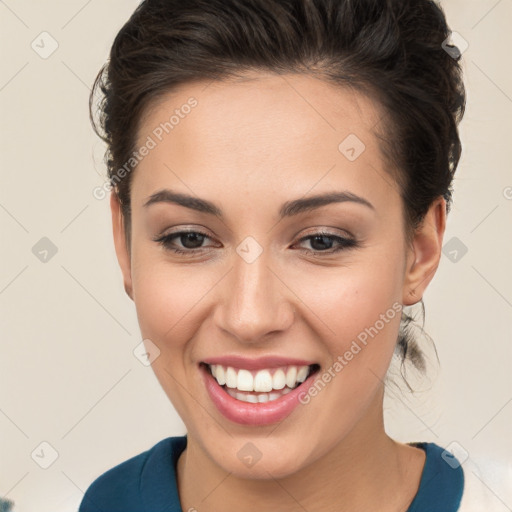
(181, 231)
(329, 231)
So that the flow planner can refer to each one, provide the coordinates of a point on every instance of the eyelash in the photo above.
(344, 243)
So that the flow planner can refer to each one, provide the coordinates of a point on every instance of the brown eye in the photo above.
(191, 241)
(322, 242)
(190, 238)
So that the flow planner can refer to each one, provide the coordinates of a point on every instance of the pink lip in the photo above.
(258, 363)
(258, 414)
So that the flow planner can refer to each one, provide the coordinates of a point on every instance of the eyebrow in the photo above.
(288, 209)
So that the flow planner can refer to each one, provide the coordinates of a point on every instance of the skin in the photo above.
(249, 146)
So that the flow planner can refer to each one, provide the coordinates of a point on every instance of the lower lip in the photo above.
(246, 413)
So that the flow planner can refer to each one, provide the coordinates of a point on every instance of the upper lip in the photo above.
(256, 363)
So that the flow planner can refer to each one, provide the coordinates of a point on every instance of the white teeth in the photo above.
(291, 376)
(231, 377)
(279, 379)
(247, 398)
(302, 373)
(245, 380)
(262, 381)
(253, 399)
(219, 374)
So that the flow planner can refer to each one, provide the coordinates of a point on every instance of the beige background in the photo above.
(68, 376)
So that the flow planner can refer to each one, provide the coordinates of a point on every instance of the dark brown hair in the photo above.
(394, 51)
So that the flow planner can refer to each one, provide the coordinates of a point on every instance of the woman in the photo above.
(281, 173)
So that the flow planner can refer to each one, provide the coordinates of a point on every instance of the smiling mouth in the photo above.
(259, 386)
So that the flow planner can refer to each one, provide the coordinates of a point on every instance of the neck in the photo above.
(366, 470)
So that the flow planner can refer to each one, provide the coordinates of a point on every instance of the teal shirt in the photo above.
(147, 482)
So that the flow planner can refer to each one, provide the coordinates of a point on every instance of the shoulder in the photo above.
(454, 480)
(488, 485)
(137, 482)
(442, 481)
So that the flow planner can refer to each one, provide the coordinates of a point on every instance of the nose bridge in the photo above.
(255, 301)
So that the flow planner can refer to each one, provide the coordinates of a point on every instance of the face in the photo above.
(258, 276)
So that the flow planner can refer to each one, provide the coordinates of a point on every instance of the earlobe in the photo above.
(122, 253)
(425, 253)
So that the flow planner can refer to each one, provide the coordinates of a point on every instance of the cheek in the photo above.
(357, 312)
(347, 300)
(167, 298)
(168, 303)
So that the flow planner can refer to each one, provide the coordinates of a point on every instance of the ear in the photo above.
(123, 255)
(424, 255)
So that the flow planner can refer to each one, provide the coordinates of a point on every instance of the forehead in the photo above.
(283, 129)
(262, 103)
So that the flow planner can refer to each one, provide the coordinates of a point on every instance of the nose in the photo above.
(254, 301)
